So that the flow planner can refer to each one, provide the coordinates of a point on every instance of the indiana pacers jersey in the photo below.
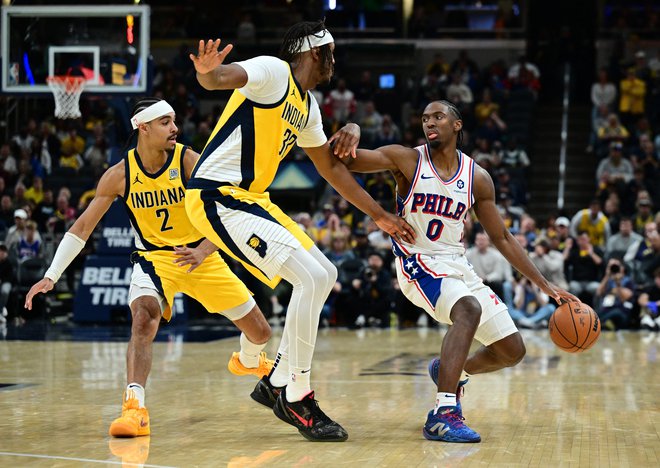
(436, 208)
(251, 138)
(156, 202)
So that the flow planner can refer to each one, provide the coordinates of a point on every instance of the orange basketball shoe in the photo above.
(133, 422)
(237, 368)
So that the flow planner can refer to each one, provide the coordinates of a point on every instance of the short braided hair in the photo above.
(456, 114)
(293, 41)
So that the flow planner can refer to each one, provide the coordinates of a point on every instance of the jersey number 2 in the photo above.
(166, 217)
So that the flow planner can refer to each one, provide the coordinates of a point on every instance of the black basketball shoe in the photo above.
(307, 417)
(265, 393)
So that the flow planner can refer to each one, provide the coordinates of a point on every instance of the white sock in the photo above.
(138, 392)
(443, 399)
(249, 354)
(279, 377)
(298, 385)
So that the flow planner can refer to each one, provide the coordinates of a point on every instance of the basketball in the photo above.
(574, 327)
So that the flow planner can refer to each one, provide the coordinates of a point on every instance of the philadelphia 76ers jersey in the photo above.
(436, 208)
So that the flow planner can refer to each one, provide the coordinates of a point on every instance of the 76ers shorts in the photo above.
(436, 283)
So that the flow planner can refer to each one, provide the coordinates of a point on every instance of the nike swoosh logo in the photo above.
(449, 396)
(426, 177)
(305, 422)
(305, 371)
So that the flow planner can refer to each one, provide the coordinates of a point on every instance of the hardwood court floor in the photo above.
(600, 408)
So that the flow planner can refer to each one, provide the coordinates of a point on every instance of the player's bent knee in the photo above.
(511, 350)
(467, 309)
(325, 276)
(255, 326)
(262, 332)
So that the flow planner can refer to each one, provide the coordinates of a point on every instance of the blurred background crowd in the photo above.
(606, 251)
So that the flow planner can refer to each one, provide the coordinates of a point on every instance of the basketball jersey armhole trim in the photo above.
(309, 109)
(471, 183)
(415, 178)
(127, 175)
(270, 106)
(182, 168)
(136, 227)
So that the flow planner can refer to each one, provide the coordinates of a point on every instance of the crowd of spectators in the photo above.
(607, 254)
(615, 259)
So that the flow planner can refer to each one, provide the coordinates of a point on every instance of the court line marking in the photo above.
(88, 460)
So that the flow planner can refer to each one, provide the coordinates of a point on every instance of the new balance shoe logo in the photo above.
(443, 431)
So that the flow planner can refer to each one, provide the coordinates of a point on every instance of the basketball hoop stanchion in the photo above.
(67, 90)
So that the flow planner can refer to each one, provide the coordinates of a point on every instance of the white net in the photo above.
(67, 91)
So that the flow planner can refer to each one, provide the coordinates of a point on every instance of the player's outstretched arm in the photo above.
(211, 72)
(111, 185)
(490, 219)
(391, 158)
(336, 173)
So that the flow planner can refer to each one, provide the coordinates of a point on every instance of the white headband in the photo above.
(152, 112)
(313, 40)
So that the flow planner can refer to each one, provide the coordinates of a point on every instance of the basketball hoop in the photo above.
(67, 90)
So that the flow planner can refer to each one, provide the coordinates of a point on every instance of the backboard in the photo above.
(108, 45)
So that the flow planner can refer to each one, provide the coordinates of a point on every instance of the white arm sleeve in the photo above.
(68, 249)
(312, 136)
(268, 79)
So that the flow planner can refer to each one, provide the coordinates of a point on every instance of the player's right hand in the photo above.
(43, 286)
(345, 141)
(208, 58)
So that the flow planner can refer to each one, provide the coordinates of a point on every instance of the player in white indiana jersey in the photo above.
(436, 186)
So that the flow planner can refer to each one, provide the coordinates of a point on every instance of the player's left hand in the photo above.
(396, 227)
(345, 141)
(189, 256)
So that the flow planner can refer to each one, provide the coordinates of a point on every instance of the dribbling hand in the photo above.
(559, 295)
(208, 58)
(43, 286)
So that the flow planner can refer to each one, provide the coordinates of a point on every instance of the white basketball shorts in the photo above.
(436, 283)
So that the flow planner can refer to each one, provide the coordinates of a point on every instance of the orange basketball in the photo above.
(574, 327)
